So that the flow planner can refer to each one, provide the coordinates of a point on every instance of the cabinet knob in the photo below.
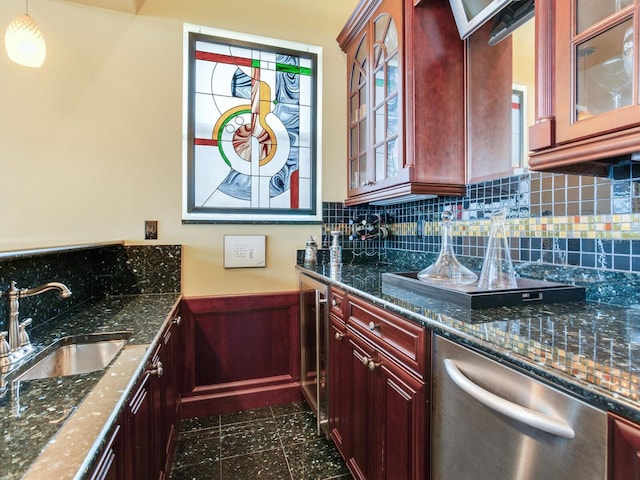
(373, 365)
(334, 302)
(157, 370)
(177, 320)
(373, 326)
(366, 360)
(339, 336)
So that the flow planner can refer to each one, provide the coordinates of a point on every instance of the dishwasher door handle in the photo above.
(546, 423)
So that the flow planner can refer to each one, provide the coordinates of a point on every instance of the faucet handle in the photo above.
(23, 337)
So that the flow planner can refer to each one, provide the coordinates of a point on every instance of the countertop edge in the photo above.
(96, 414)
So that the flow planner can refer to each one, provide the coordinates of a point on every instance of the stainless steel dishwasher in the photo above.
(492, 422)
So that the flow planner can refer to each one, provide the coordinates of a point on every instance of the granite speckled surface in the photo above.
(589, 349)
(32, 412)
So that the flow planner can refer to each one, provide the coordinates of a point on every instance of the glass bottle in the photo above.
(447, 268)
(335, 250)
(497, 270)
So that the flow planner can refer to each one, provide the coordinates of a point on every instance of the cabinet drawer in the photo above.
(398, 338)
(337, 300)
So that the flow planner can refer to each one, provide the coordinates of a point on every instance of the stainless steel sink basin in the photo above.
(74, 355)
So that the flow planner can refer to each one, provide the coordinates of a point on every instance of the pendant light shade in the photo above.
(24, 42)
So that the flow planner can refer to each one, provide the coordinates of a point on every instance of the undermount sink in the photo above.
(74, 355)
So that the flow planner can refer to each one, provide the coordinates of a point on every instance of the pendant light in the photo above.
(24, 41)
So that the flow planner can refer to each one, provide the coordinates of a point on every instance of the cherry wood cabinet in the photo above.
(141, 443)
(379, 402)
(624, 449)
(140, 452)
(587, 104)
(339, 376)
(405, 100)
(110, 463)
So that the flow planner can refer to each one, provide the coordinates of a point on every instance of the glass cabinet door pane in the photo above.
(590, 12)
(604, 72)
(392, 75)
(363, 136)
(362, 169)
(392, 158)
(380, 162)
(379, 87)
(354, 109)
(353, 142)
(392, 116)
(353, 174)
(380, 125)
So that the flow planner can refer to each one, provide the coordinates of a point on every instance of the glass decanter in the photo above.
(497, 269)
(447, 268)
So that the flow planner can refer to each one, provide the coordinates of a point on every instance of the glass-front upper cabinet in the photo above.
(374, 73)
(597, 67)
(405, 101)
(587, 95)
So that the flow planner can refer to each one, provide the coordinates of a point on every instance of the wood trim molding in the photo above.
(356, 22)
(542, 133)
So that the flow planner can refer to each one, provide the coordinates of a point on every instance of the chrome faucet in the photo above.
(17, 335)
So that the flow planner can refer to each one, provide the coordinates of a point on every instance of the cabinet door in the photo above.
(596, 67)
(587, 108)
(138, 424)
(362, 458)
(170, 358)
(624, 449)
(110, 465)
(402, 406)
(339, 386)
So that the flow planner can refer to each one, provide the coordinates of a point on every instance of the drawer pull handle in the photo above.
(339, 336)
(373, 326)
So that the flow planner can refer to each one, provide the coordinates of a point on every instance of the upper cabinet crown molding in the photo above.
(128, 6)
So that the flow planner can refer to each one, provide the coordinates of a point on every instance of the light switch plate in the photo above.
(245, 251)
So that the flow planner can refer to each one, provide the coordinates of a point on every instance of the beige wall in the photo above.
(91, 142)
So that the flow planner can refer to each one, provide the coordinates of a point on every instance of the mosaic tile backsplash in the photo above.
(568, 228)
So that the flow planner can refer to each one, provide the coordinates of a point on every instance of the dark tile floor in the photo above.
(272, 443)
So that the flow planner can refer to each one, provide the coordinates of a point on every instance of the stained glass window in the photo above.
(251, 130)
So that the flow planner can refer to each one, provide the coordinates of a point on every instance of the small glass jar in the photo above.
(311, 251)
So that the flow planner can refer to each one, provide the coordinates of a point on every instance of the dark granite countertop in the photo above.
(589, 349)
(33, 412)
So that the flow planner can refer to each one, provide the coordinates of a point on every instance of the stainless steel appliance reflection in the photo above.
(314, 331)
(493, 422)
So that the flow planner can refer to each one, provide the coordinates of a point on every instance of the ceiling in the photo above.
(130, 6)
